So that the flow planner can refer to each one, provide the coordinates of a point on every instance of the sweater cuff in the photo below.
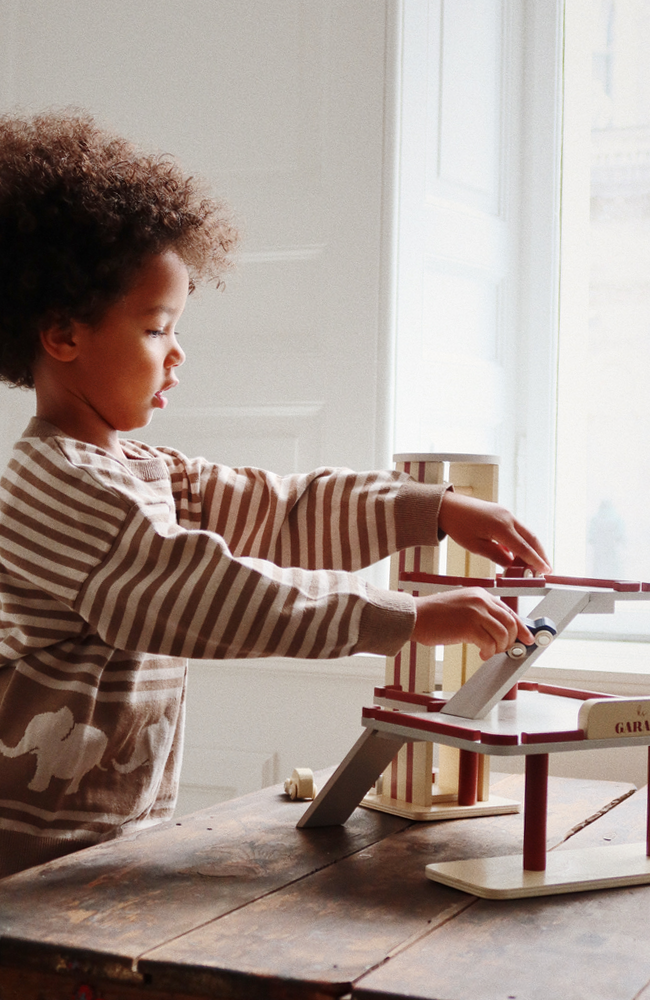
(417, 506)
(387, 622)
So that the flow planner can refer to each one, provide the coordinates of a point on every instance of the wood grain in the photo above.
(344, 920)
(236, 903)
(583, 946)
(117, 900)
(586, 946)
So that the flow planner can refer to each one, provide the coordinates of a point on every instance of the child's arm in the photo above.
(162, 589)
(110, 550)
(337, 519)
(182, 593)
(326, 519)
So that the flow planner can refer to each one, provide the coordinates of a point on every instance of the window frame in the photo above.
(555, 205)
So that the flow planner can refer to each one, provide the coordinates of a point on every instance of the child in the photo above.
(118, 560)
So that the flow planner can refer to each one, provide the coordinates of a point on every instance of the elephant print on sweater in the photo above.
(63, 749)
(151, 749)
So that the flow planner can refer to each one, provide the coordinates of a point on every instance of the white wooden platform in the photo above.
(496, 805)
(566, 871)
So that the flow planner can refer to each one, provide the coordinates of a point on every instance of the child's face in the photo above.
(127, 360)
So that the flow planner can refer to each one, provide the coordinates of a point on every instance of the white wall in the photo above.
(268, 719)
(283, 107)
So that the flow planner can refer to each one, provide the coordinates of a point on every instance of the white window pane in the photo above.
(604, 402)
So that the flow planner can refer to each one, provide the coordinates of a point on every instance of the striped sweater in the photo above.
(113, 574)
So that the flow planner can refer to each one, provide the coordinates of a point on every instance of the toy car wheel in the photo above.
(517, 652)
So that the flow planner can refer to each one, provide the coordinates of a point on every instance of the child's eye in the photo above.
(156, 333)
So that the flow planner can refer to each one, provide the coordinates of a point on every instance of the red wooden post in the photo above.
(535, 801)
(648, 810)
(467, 778)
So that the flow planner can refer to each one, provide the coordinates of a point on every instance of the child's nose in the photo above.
(176, 356)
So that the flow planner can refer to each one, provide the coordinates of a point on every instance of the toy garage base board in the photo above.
(494, 806)
(547, 720)
(566, 871)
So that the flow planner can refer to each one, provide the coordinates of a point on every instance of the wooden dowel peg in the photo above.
(468, 778)
(535, 802)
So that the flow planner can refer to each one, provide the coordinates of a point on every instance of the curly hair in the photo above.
(81, 209)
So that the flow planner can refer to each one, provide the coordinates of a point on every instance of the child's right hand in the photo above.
(468, 614)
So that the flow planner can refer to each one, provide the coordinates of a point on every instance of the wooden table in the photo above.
(235, 902)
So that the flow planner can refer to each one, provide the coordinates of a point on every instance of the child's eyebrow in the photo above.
(154, 310)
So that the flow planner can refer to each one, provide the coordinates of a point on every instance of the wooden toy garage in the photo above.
(487, 710)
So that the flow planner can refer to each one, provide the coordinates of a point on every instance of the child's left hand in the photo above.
(490, 530)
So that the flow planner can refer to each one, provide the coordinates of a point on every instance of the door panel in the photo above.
(458, 229)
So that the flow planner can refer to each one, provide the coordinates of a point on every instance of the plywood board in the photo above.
(566, 871)
(494, 805)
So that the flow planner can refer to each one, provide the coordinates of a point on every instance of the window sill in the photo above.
(611, 667)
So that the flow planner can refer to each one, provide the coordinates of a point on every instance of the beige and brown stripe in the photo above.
(113, 574)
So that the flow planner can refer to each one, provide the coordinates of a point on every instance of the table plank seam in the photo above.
(434, 925)
(643, 993)
(450, 914)
(265, 895)
(597, 815)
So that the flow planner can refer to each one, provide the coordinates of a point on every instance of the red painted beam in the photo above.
(562, 736)
(622, 586)
(449, 581)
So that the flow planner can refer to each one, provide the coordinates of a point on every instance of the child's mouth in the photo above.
(162, 399)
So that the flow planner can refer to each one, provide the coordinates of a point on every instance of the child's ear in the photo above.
(60, 342)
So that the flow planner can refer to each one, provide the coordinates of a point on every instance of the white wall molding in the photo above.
(273, 255)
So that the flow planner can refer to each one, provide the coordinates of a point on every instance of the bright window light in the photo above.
(603, 417)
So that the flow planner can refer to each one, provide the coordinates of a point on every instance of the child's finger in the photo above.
(517, 628)
(532, 551)
(524, 633)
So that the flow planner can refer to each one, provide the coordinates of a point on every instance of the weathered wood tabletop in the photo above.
(235, 902)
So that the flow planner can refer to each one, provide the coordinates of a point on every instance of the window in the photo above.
(523, 315)
(603, 400)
